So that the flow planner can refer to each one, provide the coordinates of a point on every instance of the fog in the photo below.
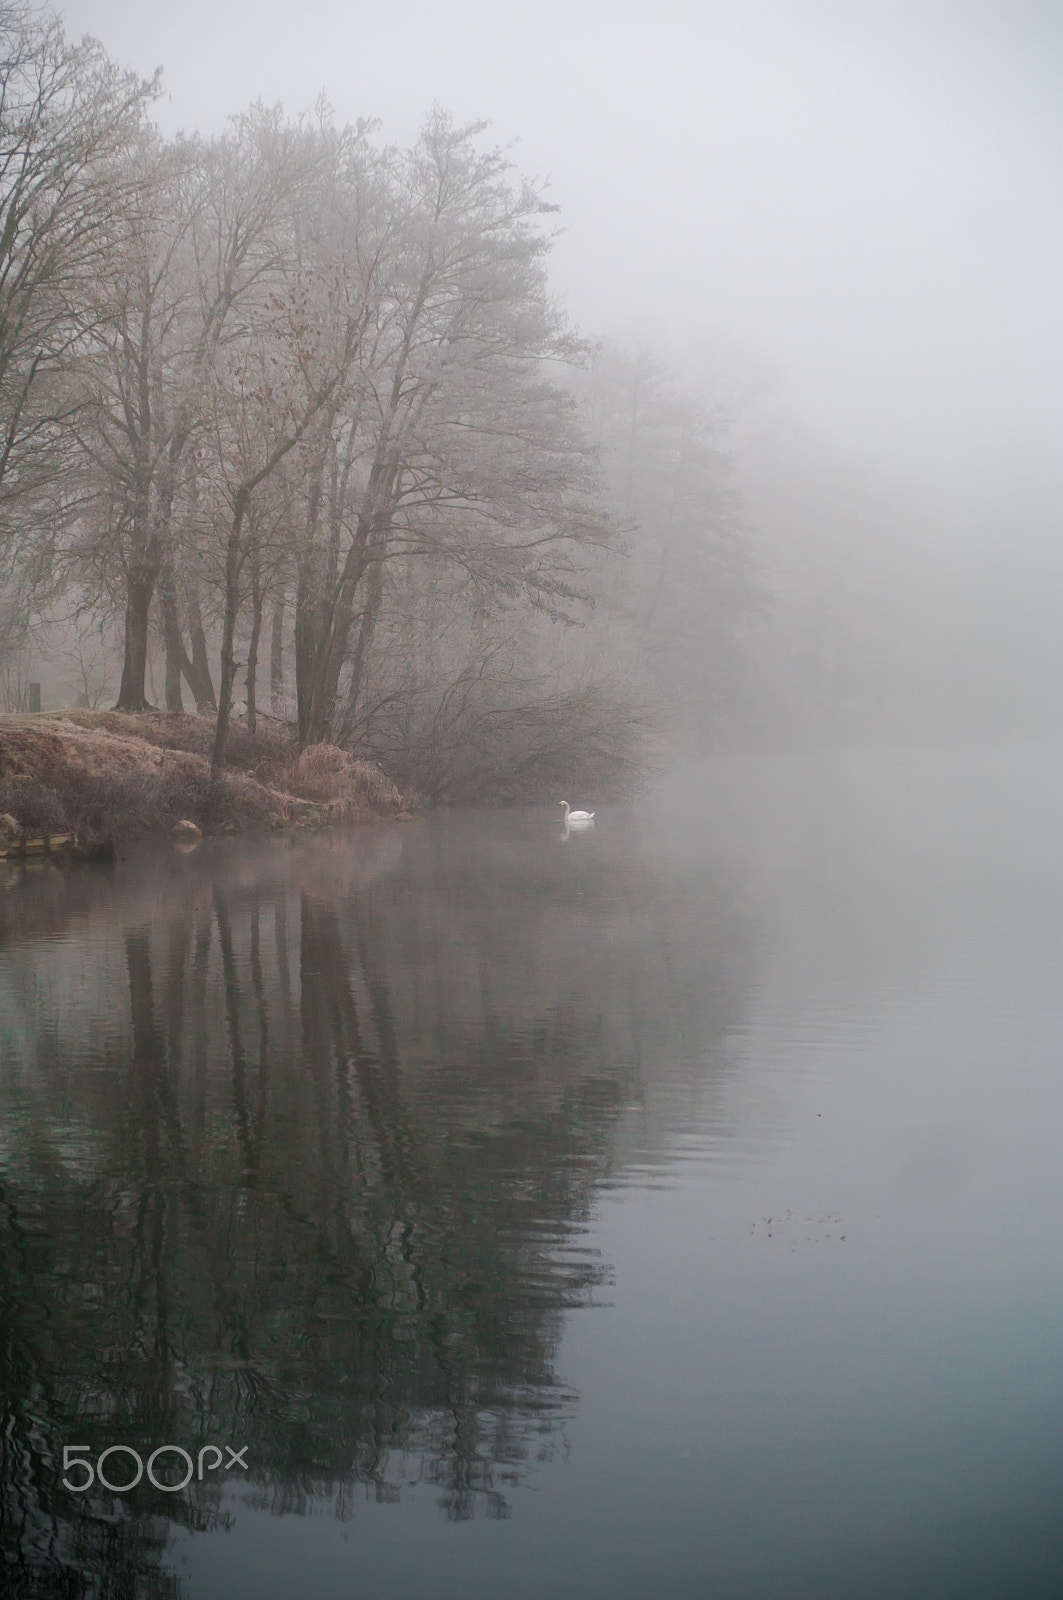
(732, 516)
(836, 226)
(857, 203)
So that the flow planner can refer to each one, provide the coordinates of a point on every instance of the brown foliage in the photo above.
(104, 773)
(57, 776)
(351, 788)
(179, 731)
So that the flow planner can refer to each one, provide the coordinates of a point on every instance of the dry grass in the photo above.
(195, 735)
(352, 789)
(102, 773)
(58, 777)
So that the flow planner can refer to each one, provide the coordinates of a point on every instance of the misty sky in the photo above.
(862, 197)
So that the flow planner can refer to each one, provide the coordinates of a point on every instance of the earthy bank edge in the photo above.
(106, 775)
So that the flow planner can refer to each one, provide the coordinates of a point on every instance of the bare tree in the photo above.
(453, 442)
(272, 386)
(206, 238)
(15, 639)
(67, 116)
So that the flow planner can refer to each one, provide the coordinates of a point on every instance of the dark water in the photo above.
(674, 1211)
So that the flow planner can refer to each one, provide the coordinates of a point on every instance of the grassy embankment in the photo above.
(102, 774)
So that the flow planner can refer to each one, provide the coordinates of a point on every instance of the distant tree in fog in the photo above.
(691, 585)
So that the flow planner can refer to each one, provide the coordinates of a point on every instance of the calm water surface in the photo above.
(671, 1210)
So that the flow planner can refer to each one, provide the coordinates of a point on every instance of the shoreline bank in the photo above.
(89, 779)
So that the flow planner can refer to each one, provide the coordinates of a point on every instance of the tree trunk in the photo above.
(333, 648)
(307, 633)
(139, 589)
(252, 654)
(308, 612)
(196, 668)
(367, 627)
(228, 629)
(276, 659)
(322, 635)
(171, 632)
(199, 681)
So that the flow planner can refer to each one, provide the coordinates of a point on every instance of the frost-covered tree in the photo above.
(454, 443)
(208, 240)
(68, 115)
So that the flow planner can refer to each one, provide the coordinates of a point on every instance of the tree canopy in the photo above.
(295, 367)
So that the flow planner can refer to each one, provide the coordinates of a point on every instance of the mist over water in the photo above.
(666, 1207)
(668, 1203)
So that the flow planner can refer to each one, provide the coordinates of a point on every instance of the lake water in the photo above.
(670, 1210)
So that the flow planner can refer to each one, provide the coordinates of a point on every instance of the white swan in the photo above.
(575, 816)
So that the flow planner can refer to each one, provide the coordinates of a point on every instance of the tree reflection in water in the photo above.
(298, 1142)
